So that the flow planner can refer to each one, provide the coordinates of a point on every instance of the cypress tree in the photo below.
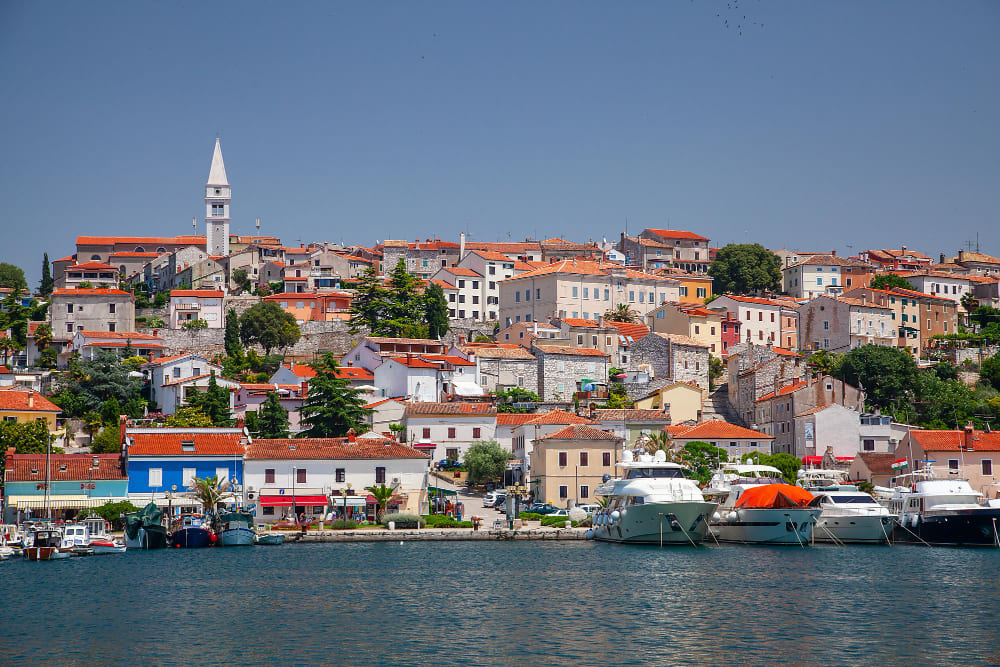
(47, 283)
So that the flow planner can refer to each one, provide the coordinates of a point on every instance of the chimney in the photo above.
(31, 398)
(352, 436)
(968, 437)
(903, 249)
(833, 253)
(304, 389)
(941, 256)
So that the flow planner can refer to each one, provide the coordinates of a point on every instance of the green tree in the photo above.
(788, 465)
(969, 302)
(984, 316)
(49, 358)
(944, 403)
(888, 375)
(332, 406)
(989, 371)
(370, 304)
(188, 417)
(701, 459)
(160, 300)
(827, 363)
(945, 370)
(8, 346)
(47, 283)
(114, 511)
(716, 368)
(210, 491)
(383, 496)
(485, 461)
(111, 411)
(108, 441)
(506, 398)
(436, 311)
(272, 420)
(745, 268)
(12, 276)
(88, 383)
(270, 326)
(241, 279)
(233, 346)
(43, 335)
(155, 322)
(621, 313)
(214, 402)
(28, 438)
(197, 323)
(888, 281)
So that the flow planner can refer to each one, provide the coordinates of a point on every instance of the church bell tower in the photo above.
(217, 196)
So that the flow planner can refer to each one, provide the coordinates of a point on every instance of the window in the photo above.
(477, 433)
(492, 270)
(380, 475)
(697, 329)
(451, 432)
(607, 295)
(651, 296)
(606, 459)
(575, 291)
(631, 296)
(155, 477)
(111, 326)
(584, 492)
(268, 511)
(584, 458)
(701, 293)
(221, 473)
(563, 491)
(452, 453)
(340, 475)
(952, 464)
(987, 465)
(826, 324)
(187, 445)
(683, 291)
(586, 292)
(517, 297)
(563, 459)
(188, 476)
(426, 433)
(269, 475)
(300, 475)
(69, 308)
(538, 293)
(868, 445)
(111, 307)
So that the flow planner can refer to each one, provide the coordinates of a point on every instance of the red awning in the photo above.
(286, 501)
(817, 460)
(371, 500)
(424, 445)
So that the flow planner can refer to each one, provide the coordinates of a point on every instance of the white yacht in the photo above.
(651, 503)
(941, 510)
(850, 516)
(811, 478)
(758, 507)
(91, 537)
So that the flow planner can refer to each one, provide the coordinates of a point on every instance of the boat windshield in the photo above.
(645, 473)
(857, 500)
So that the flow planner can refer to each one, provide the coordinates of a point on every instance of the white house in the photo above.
(762, 321)
(427, 377)
(813, 276)
(372, 350)
(447, 429)
(187, 305)
(172, 379)
(940, 283)
(466, 299)
(319, 476)
(91, 344)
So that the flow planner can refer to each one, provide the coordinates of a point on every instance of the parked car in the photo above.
(541, 508)
(493, 497)
(448, 464)
(564, 513)
(590, 509)
(501, 501)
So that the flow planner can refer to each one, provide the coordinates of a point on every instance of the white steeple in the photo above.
(217, 197)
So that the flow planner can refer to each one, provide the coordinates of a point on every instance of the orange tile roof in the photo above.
(141, 240)
(492, 255)
(785, 390)
(301, 370)
(16, 399)
(632, 329)
(579, 432)
(413, 362)
(755, 300)
(716, 430)
(168, 442)
(953, 441)
(207, 293)
(631, 415)
(462, 271)
(134, 254)
(175, 357)
(511, 351)
(351, 373)
(64, 467)
(330, 448)
(514, 418)
(89, 291)
(461, 409)
(560, 417)
(577, 322)
(91, 265)
(565, 349)
(266, 386)
(677, 234)
(442, 283)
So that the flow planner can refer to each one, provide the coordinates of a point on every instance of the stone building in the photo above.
(753, 371)
(91, 309)
(674, 356)
(777, 412)
(840, 324)
(502, 366)
(561, 368)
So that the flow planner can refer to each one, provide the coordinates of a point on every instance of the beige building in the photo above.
(91, 309)
(580, 289)
(570, 463)
(683, 401)
(697, 322)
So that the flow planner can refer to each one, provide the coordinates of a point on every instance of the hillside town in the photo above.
(302, 375)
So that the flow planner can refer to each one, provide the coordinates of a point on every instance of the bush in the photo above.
(556, 521)
(530, 516)
(343, 524)
(401, 520)
(441, 521)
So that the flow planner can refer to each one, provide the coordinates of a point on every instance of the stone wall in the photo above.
(974, 354)
(566, 369)
(651, 352)
(689, 364)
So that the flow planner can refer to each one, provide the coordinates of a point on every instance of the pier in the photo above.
(436, 535)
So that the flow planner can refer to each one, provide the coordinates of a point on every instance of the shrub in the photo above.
(530, 516)
(401, 520)
(556, 521)
(343, 524)
(441, 521)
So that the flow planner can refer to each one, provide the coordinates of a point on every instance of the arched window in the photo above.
(121, 269)
(140, 249)
(161, 249)
(97, 257)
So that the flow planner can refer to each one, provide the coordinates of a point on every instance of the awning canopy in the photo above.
(468, 389)
(70, 501)
(352, 501)
(424, 445)
(438, 491)
(287, 501)
(816, 460)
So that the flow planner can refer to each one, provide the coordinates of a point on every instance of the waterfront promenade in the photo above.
(436, 535)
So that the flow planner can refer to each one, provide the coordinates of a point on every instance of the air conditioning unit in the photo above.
(396, 480)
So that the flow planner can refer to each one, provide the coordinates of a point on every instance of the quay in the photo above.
(435, 535)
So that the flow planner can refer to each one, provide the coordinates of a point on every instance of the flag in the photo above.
(899, 464)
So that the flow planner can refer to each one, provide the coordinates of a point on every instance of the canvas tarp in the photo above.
(769, 496)
(150, 515)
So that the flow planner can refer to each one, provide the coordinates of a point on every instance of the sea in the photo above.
(505, 603)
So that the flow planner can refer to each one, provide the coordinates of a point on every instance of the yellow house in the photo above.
(23, 407)
(697, 322)
(569, 464)
(694, 289)
(685, 401)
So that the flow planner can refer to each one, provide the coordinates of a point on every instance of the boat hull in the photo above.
(236, 537)
(971, 527)
(101, 548)
(873, 529)
(270, 539)
(148, 537)
(656, 523)
(192, 537)
(46, 553)
(779, 526)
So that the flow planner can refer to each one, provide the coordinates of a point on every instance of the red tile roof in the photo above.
(330, 448)
(633, 330)
(565, 349)
(413, 362)
(208, 293)
(676, 234)
(135, 254)
(577, 322)
(168, 442)
(579, 432)
(266, 386)
(755, 300)
(141, 240)
(64, 467)
(953, 441)
(512, 351)
(4, 370)
(88, 291)
(25, 401)
(461, 409)
(785, 390)
(462, 271)
(514, 418)
(492, 256)
(715, 430)
(352, 373)
(91, 265)
(560, 417)
(631, 415)
(301, 370)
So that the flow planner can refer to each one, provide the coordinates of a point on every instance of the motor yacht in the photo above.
(757, 507)
(850, 516)
(651, 503)
(90, 536)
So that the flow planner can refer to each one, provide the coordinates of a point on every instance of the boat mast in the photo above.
(48, 481)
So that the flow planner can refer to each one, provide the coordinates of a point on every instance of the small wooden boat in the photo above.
(270, 539)
(46, 544)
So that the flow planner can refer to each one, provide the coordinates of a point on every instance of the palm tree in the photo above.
(210, 491)
(621, 313)
(659, 441)
(7, 346)
(383, 496)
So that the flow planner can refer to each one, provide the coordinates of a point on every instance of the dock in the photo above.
(435, 535)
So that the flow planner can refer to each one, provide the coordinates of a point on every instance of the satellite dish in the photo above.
(660, 456)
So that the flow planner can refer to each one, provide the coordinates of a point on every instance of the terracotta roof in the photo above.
(141, 240)
(301, 370)
(631, 415)
(755, 300)
(785, 390)
(565, 349)
(633, 330)
(384, 400)
(221, 380)
(387, 339)
(269, 386)
(169, 442)
(560, 417)
(953, 441)
(442, 283)
(878, 463)
(351, 373)
(4, 370)
(89, 291)
(514, 418)
(63, 467)
(462, 271)
(899, 291)
(138, 344)
(586, 267)
(17, 399)
(91, 265)
(818, 408)
(450, 409)
(577, 322)
(414, 361)
(859, 303)
(690, 309)
(580, 432)
(175, 357)
(330, 448)
(676, 234)
(208, 293)
(715, 430)
(492, 255)
(784, 352)
(151, 255)
(512, 352)
(969, 256)
(826, 260)
(507, 246)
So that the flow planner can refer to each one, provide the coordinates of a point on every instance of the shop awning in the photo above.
(438, 491)
(286, 501)
(59, 501)
(424, 445)
(352, 501)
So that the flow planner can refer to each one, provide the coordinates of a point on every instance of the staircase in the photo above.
(716, 406)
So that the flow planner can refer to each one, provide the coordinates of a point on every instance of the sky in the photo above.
(808, 125)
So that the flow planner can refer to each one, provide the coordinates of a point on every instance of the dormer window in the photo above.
(187, 445)
(34, 471)
(62, 468)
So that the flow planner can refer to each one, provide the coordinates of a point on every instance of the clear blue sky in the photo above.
(822, 125)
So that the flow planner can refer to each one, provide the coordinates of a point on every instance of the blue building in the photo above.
(66, 485)
(161, 462)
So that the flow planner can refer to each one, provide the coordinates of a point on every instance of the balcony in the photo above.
(188, 306)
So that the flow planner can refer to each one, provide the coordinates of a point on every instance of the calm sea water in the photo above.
(502, 603)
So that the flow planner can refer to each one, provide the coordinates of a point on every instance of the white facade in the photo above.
(806, 281)
(942, 285)
(761, 320)
(189, 305)
(418, 381)
(217, 198)
(166, 380)
(451, 434)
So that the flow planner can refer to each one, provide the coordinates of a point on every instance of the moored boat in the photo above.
(269, 539)
(652, 503)
(759, 508)
(144, 529)
(90, 536)
(236, 529)
(190, 531)
(47, 544)
(850, 516)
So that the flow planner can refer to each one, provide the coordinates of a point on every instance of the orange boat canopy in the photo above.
(770, 496)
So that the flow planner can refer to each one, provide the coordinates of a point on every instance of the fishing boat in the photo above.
(850, 516)
(11, 543)
(757, 507)
(236, 529)
(270, 539)
(190, 531)
(652, 503)
(144, 529)
(47, 544)
(90, 537)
